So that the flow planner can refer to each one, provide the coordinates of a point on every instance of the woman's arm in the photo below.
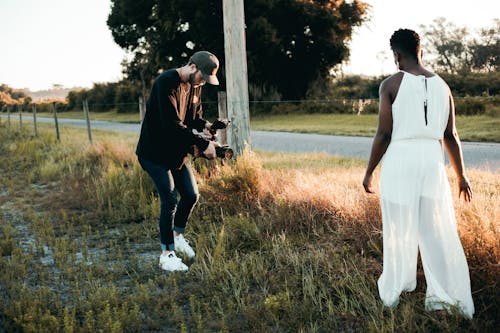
(382, 138)
(452, 144)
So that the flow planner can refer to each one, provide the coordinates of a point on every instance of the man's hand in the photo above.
(220, 123)
(367, 183)
(464, 187)
(210, 152)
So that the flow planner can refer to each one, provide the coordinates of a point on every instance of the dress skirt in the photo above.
(418, 214)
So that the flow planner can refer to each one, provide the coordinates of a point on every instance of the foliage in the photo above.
(473, 84)
(14, 94)
(469, 106)
(486, 49)
(122, 96)
(10, 96)
(162, 34)
(47, 106)
(339, 95)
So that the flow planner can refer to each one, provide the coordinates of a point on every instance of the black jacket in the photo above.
(172, 111)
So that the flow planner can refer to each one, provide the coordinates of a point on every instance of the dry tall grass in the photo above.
(285, 243)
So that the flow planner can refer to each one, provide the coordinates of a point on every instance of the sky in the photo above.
(67, 42)
(371, 40)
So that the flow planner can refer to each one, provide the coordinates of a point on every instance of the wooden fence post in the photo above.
(222, 106)
(142, 108)
(34, 120)
(55, 120)
(8, 117)
(87, 118)
(20, 119)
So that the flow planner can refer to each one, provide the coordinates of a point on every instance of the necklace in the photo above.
(185, 88)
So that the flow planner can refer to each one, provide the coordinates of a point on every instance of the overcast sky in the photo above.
(67, 42)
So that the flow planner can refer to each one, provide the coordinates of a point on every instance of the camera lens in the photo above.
(224, 152)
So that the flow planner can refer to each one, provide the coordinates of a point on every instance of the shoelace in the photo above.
(182, 239)
(173, 256)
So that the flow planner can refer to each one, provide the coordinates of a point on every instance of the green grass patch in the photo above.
(106, 116)
(332, 124)
(470, 128)
(478, 128)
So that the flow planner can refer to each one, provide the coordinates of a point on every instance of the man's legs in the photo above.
(164, 183)
(188, 190)
(185, 184)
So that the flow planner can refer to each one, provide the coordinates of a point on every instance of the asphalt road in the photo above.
(479, 155)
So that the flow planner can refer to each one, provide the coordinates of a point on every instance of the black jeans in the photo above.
(168, 183)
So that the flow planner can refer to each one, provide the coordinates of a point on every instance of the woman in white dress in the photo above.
(416, 117)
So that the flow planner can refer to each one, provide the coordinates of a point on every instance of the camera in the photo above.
(224, 151)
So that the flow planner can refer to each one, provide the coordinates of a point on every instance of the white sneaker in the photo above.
(171, 263)
(182, 245)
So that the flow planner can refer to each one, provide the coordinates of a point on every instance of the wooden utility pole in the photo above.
(236, 75)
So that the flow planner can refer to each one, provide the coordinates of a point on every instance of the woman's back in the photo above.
(421, 108)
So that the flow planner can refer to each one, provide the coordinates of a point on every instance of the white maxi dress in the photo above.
(416, 202)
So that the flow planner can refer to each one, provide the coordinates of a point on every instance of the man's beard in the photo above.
(191, 80)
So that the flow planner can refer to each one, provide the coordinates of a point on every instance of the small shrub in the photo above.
(372, 107)
(286, 108)
(242, 234)
(493, 112)
(7, 243)
(470, 106)
(240, 180)
(7, 246)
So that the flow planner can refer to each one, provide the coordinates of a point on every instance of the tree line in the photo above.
(475, 93)
(286, 62)
(291, 44)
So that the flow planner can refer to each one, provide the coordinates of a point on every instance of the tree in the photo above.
(290, 43)
(454, 49)
(485, 50)
(9, 96)
(447, 43)
(6, 99)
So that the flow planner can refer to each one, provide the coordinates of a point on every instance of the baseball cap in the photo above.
(208, 64)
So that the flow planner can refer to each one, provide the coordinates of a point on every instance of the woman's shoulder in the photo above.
(392, 83)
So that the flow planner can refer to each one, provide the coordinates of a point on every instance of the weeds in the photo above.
(279, 249)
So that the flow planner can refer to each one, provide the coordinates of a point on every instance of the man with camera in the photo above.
(173, 111)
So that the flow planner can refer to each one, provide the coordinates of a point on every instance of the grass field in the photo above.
(471, 128)
(107, 116)
(285, 243)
